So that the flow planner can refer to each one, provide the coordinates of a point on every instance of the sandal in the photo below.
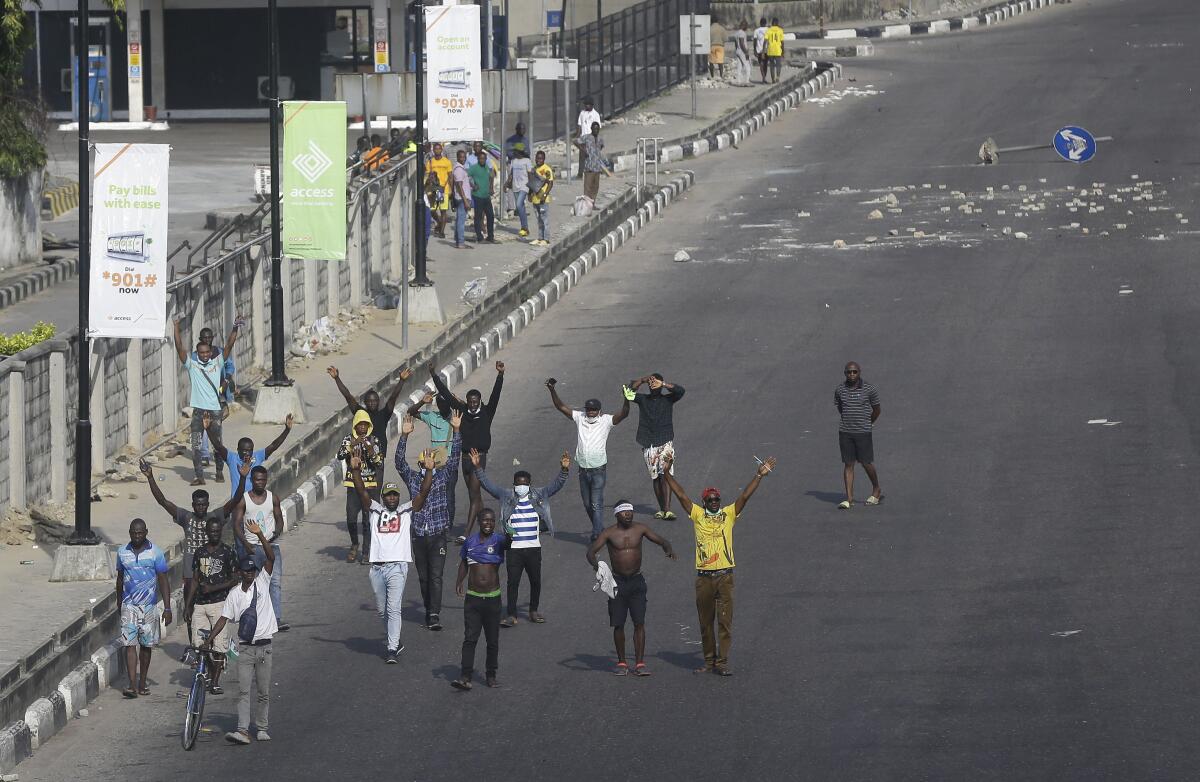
(509, 621)
(216, 689)
(705, 669)
(640, 670)
(670, 515)
(622, 669)
(129, 692)
(353, 555)
(536, 618)
(660, 515)
(144, 690)
(873, 500)
(461, 684)
(845, 505)
(197, 482)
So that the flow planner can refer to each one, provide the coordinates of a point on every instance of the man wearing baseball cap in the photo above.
(591, 450)
(714, 562)
(389, 547)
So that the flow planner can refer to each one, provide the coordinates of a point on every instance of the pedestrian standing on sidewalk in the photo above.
(195, 521)
(141, 581)
(460, 182)
(431, 523)
(214, 572)
(714, 564)
(476, 432)
(524, 512)
(592, 147)
(716, 51)
(775, 49)
(250, 606)
(656, 433)
(441, 166)
(760, 47)
(741, 53)
(204, 374)
(624, 542)
(541, 182)
(483, 180)
(519, 169)
(246, 453)
(591, 449)
(435, 194)
(390, 546)
(857, 403)
(261, 508)
(363, 445)
(588, 116)
(480, 560)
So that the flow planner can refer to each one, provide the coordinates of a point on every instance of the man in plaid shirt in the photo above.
(431, 523)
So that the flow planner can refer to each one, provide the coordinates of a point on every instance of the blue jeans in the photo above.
(591, 489)
(260, 558)
(460, 223)
(387, 579)
(520, 196)
(543, 216)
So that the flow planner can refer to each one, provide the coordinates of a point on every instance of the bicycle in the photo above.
(202, 663)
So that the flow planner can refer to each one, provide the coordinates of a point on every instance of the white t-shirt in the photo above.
(760, 40)
(591, 448)
(391, 539)
(262, 514)
(519, 169)
(586, 118)
(238, 601)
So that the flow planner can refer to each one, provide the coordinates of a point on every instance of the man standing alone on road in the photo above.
(656, 432)
(141, 581)
(481, 556)
(714, 565)
(591, 451)
(624, 541)
(857, 403)
(774, 39)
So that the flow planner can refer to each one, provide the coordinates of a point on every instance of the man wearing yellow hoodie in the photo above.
(363, 444)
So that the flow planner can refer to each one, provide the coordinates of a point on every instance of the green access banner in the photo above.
(314, 180)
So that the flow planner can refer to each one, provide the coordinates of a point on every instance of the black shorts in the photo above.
(630, 600)
(468, 467)
(856, 447)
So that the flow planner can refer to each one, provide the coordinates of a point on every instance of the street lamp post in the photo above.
(420, 276)
(278, 372)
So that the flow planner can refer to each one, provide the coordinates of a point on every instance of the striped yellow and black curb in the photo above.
(57, 201)
(37, 280)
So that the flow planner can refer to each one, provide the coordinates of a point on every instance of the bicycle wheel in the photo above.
(195, 711)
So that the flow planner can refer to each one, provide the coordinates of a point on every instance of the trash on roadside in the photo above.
(474, 291)
(682, 256)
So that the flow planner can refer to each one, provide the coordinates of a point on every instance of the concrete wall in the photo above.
(793, 13)
(527, 17)
(21, 220)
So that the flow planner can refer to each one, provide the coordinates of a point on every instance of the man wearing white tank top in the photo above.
(261, 507)
(389, 547)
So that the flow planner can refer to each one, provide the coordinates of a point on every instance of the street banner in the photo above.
(314, 180)
(128, 292)
(453, 79)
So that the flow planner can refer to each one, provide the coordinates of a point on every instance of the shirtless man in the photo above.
(624, 541)
(479, 566)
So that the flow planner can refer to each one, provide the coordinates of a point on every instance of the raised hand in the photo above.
(500, 367)
(456, 419)
(565, 461)
(426, 459)
(290, 421)
(244, 468)
(407, 425)
(405, 373)
(428, 398)
(551, 382)
(475, 456)
(766, 467)
(628, 393)
(432, 368)
(253, 528)
(145, 467)
(333, 372)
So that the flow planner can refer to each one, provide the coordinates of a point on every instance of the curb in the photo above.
(991, 14)
(38, 280)
(328, 479)
(60, 200)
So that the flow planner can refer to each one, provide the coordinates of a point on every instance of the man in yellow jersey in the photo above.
(541, 182)
(714, 563)
(774, 39)
(441, 165)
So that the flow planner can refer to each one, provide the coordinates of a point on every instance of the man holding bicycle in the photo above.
(214, 573)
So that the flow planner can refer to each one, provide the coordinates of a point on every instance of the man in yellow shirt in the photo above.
(541, 182)
(774, 40)
(714, 563)
(441, 165)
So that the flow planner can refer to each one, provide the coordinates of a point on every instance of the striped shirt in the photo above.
(854, 403)
(524, 523)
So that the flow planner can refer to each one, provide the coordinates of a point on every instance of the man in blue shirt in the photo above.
(481, 556)
(204, 373)
(141, 580)
(245, 448)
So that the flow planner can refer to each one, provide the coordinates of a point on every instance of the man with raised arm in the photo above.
(246, 453)
(656, 432)
(624, 542)
(714, 564)
(381, 414)
(591, 449)
(431, 523)
(204, 375)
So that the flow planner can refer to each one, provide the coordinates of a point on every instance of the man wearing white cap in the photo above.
(624, 541)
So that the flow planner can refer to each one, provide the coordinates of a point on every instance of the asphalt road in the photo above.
(1020, 607)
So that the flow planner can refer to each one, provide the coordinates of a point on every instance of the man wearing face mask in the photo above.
(714, 564)
(476, 432)
(431, 522)
(481, 556)
(390, 546)
(624, 541)
(591, 449)
(656, 432)
(363, 444)
(523, 512)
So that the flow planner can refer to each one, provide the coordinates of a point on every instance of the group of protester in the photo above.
(241, 586)
(767, 50)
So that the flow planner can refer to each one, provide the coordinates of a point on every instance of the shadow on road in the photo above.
(689, 662)
(587, 662)
(832, 497)
(369, 646)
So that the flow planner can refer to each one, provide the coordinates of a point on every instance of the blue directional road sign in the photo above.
(1074, 144)
(554, 20)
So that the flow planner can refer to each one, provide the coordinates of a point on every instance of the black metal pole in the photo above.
(420, 278)
(83, 535)
(278, 374)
